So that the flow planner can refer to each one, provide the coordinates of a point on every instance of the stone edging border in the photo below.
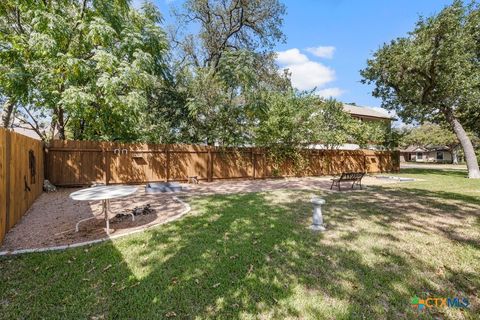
(186, 209)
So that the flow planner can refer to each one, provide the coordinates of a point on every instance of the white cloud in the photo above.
(291, 56)
(309, 75)
(330, 92)
(322, 52)
(306, 74)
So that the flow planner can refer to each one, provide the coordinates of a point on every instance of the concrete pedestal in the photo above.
(317, 224)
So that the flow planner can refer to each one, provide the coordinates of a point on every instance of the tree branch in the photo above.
(19, 23)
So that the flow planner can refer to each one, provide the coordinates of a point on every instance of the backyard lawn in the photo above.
(251, 256)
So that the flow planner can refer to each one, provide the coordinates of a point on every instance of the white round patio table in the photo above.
(103, 193)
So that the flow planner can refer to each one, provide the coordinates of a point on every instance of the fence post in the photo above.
(8, 162)
(167, 162)
(45, 160)
(210, 165)
(254, 163)
(365, 169)
(106, 164)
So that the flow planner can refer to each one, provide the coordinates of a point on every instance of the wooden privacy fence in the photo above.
(77, 163)
(21, 176)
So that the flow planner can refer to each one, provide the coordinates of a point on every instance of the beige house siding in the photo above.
(426, 156)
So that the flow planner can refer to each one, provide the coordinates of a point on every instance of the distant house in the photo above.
(431, 154)
(367, 114)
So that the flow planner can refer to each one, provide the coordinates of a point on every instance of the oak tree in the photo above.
(432, 74)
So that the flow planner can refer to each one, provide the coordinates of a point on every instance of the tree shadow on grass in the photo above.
(415, 210)
(382, 217)
(251, 256)
(216, 263)
(459, 173)
(244, 256)
(61, 285)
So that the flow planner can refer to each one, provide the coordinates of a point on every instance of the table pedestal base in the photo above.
(105, 212)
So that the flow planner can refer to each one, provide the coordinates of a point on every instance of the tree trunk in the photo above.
(470, 157)
(455, 155)
(60, 124)
(7, 113)
(52, 130)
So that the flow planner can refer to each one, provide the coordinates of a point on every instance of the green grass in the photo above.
(251, 256)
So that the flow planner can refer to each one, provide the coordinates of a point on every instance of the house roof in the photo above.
(413, 148)
(437, 148)
(365, 112)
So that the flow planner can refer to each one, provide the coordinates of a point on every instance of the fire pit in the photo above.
(394, 178)
(162, 187)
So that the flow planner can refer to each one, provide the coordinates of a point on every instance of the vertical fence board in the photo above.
(3, 184)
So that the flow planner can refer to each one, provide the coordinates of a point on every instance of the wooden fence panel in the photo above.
(75, 163)
(352, 162)
(184, 164)
(232, 164)
(189, 160)
(373, 164)
(259, 165)
(315, 165)
(21, 173)
(86, 162)
(3, 184)
(135, 167)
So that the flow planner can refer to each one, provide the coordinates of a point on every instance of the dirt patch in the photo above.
(306, 183)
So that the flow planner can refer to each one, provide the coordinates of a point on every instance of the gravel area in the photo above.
(51, 219)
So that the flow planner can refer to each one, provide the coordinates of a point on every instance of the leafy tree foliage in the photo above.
(235, 94)
(295, 121)
(432, 75)
(89, 64)
(101, 70)
(289, 123)
(224, 69)
(430, 134)
(338, 127)
(376, 133)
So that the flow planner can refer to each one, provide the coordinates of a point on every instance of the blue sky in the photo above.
(329, 41)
